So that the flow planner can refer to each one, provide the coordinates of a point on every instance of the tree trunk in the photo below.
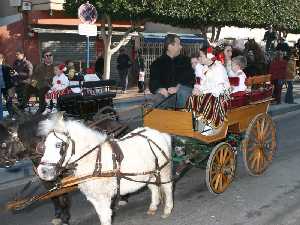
(213, 32)
(204, 31)
(218, 33)
(107, 60)
(106, 37)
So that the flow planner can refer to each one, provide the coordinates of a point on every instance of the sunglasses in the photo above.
(49, 55)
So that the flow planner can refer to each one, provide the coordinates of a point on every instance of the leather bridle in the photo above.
(63, 151)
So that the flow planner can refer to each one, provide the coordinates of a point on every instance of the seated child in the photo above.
(60, 83)
(199, 75)
(238, 64)
(215, 80)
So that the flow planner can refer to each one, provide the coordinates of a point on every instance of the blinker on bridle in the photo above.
(63, 150)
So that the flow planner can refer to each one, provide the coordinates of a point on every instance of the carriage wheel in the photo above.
(220, 168)
(259, 144)
(106, 112)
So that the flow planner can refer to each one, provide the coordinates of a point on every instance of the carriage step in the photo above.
(182, 168)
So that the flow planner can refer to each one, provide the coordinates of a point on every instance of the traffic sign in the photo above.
(87, 13)
(87, 29)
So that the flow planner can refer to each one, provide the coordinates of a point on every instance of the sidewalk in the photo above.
(23, 171)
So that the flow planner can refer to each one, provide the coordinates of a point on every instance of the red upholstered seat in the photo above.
(239, 99)
(260, 94)
(234, 81)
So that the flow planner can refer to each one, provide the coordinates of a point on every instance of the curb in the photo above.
(127, 102)
(283, 110)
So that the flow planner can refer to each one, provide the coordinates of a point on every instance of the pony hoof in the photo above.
(56, 221)
(164, 216)
(151, 212)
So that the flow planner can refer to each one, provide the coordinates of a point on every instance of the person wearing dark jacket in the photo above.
(99, 65)
(278, 71)
(41, 80)
(24, 70)
(5, 86)
(283, 47)
(123, 65)
(171, 73)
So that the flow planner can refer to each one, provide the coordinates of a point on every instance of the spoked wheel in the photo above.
(259, 144)
(220, 169)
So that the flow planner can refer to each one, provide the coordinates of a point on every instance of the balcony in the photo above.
(47, 4)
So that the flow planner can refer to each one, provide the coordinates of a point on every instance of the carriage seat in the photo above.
(239, 98)
(260, 87)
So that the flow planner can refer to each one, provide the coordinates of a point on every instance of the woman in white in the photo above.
(215, 79)
(211, 103)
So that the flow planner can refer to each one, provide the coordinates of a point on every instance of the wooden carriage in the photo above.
(247, 119)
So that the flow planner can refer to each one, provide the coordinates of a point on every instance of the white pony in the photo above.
(138, 158)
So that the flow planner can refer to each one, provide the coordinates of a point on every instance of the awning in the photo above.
(160, 37)
(72, 31)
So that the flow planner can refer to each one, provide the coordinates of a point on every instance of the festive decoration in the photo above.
(62, 67)
(90, 70)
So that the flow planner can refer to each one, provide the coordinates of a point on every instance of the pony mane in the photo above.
(74, 128)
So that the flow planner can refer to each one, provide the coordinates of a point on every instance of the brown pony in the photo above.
(256, 61)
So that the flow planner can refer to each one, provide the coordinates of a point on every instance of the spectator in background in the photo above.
(123, 64)
(2, 86)
(278, 71)
(24, 70)
(140, 71)
(99, 65)
(6, 86)
(41, 80)
(291, 73)
(269, 37)
(71, 72)
(284, 48)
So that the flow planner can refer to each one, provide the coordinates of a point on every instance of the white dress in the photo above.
(215, 80)
(242, 78)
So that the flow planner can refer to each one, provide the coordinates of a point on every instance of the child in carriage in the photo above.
(238, 64)
(199, 72)
(210, 101)
(60, 83)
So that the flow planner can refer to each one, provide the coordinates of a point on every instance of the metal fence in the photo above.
(151, 51)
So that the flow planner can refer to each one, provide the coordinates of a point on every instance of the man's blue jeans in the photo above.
(182, 94)
(289, 97)
(177, 100)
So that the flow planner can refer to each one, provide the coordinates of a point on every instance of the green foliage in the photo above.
(283, 14)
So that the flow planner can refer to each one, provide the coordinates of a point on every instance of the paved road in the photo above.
(272, 199)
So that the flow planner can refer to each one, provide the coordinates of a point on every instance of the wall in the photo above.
(6, 9)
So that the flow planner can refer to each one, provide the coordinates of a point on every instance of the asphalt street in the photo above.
(270, 199)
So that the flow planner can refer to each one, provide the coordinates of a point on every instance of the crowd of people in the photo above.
(171, 73)
(46, 81)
